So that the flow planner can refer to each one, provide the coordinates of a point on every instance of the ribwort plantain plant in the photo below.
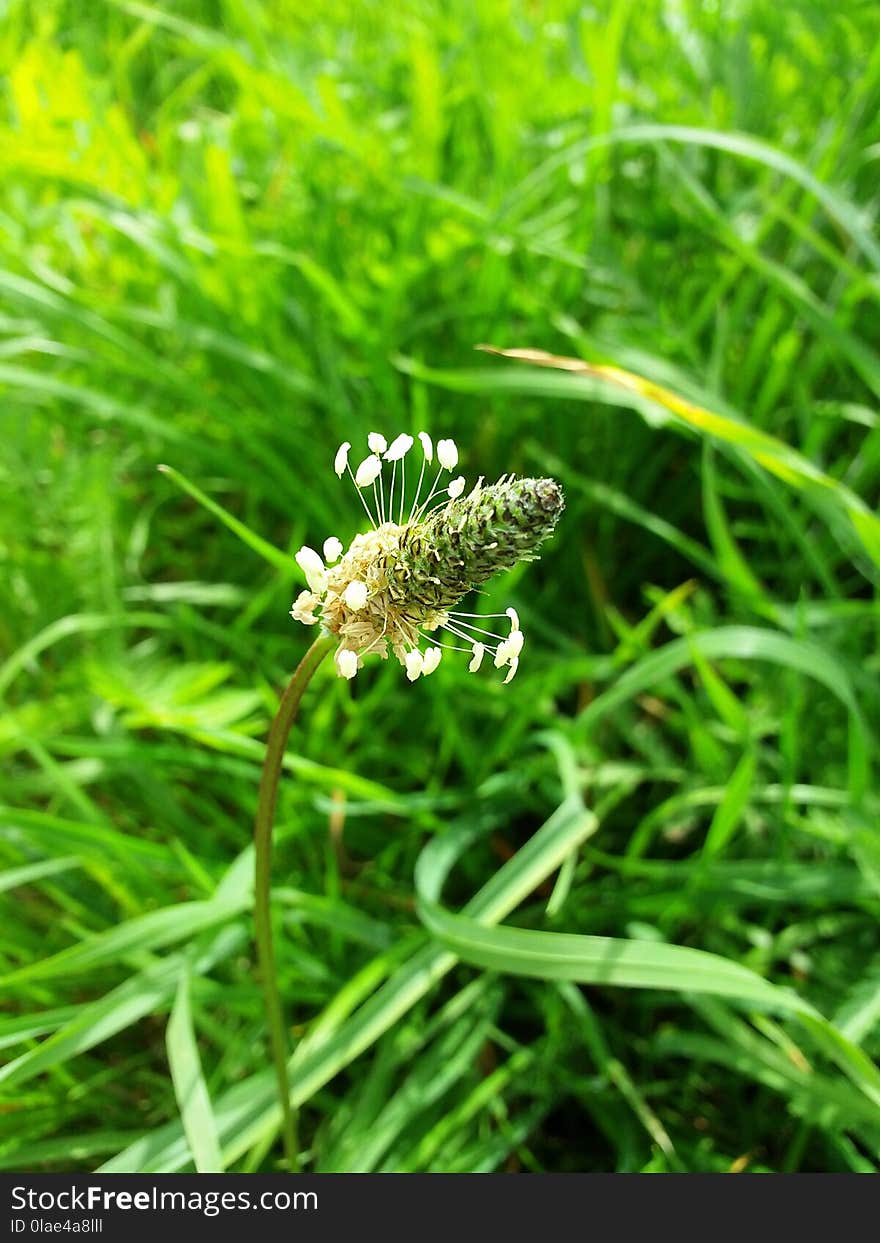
(394, 588)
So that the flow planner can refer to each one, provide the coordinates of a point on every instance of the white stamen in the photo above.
(469, 638)
(417, 513)
(346, 663)
(304, 608)
(332, 549)
(514, 665)
(503, 655)
(456, 488)
(399, 447)
(485, 616)
(479, 650)
(451, 647)
(431, 660)
(377, 442)
(355, 594)
(447, 454)
(368, 471)
(341, 460)
(313, 568)
(514, 618)
(514, 643)
(363, 500)
(463, 625)
(414, 661)
(423, 436)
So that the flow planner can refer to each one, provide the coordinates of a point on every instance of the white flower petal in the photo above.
(456, 488)
(377, 442)
(514, 665)
(341, 460)
(514, 618)
(447, 454)
(313, 568)
(399, 447)
(427, 447)
(355, 594)
(369, 471)
(346, 663)
(332, 549)
(432, 660)
(414, 661)
(478, 650)
(514, 643)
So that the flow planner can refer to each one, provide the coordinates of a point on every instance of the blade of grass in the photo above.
(194, 1102)
(253, 541)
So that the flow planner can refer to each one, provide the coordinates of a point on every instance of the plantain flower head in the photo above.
(395, 586)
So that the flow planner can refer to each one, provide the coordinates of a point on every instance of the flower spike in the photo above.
(401, 582)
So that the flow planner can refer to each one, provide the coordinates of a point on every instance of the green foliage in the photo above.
(621, 914)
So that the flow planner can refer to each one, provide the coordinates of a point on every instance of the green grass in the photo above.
(621, 914)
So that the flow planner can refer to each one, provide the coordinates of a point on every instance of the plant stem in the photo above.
(268, 797)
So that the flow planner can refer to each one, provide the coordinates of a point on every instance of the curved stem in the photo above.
(268, 797)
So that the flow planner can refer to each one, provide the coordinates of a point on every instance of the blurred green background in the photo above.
(235, 234)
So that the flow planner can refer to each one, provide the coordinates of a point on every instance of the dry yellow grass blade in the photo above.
(768, 451)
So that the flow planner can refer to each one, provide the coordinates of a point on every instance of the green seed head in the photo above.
(461, 545)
